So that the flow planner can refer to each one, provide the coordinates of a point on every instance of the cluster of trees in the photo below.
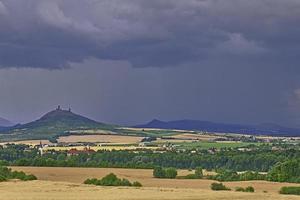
(160, 172)
(112, 180)
(288, 171)
(229, 175)
(7, 173)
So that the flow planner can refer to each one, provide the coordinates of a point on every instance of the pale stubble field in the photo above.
(65, 183)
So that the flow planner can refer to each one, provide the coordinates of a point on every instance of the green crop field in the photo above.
(217, 145)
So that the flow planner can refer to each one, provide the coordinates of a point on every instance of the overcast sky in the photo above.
(129, 61)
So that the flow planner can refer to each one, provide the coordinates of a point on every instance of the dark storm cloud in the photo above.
(53, 33)
(219, 60)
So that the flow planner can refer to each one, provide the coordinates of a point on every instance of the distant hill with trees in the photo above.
(51, 125)
(207, 126)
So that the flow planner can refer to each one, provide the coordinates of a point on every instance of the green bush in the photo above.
(4, 163)
(136, 184)
(218, 186)
(199, 172)
(30, 177)
(190, 176)
(290, 190)
(170, 173)
(240, 189)
(2, 178)
(92, 181)
(247, 189)
(111, 180)
(226, 175)
(159, 172)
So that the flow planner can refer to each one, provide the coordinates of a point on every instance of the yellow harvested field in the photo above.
(28, 142)
(48, 190)
(78, 175)
(104, 139)
(120, 139)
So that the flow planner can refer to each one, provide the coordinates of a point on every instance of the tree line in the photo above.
(258, 160)
(281, 165)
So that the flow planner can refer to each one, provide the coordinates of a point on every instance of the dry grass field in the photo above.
(101, 139)
(78, 175)
(48, 190)
(201, 137)
(104, 139)
(29, 142)
(114, 139)
(186, 137)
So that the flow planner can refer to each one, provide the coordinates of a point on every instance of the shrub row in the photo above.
(7, 173)
(290, 190)
(112, 180)
(247, 189)
(229, 175)
(219, 186)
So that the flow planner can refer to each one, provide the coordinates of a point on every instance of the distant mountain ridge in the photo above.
(197, 125)
(59, 122)
(51, 125)
(5, 122)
